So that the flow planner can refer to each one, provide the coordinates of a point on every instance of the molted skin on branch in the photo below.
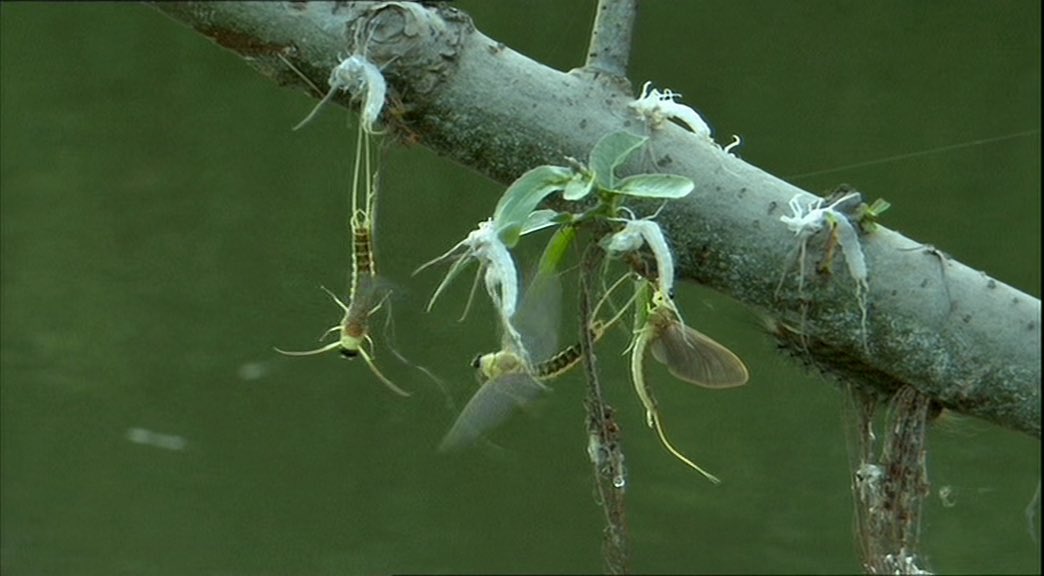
(412, 43)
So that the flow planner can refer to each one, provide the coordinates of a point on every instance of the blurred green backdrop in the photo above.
(162, 229)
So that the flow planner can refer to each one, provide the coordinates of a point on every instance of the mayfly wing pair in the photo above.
(688, 354)
(508, 383)
(365, 292)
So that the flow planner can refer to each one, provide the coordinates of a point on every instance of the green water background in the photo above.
(162, 229)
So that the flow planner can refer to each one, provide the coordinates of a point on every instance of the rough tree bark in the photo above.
(968, 341)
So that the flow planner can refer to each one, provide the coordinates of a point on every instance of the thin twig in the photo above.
(602, 431)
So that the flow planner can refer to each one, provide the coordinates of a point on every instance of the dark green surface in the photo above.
(162, 229)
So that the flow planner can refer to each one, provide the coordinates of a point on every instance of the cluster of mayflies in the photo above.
(514, 376)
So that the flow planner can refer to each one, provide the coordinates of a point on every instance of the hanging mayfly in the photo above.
(508, 382)
(365, 295)
(688, 355)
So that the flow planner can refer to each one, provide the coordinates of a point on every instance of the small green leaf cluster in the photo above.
(516, 213)
(868, 215)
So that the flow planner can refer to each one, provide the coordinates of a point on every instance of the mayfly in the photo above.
(689, 356)
(508, 381)
(365, 296)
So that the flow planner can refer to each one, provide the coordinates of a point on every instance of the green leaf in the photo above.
(555, 250)
(579, 185)
(655, 186)
(868, 215)
(610, 152)
(523, 196)
(538, 220)
(878, 206)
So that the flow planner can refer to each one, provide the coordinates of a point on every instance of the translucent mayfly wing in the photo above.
(694, 357)
(509, 380)
(689, 354)
(538, 317)
(496, 400)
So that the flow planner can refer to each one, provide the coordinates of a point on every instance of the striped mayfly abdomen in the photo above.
(362, 245)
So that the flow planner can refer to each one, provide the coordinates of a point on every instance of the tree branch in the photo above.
(610, 46)
(969, 342)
